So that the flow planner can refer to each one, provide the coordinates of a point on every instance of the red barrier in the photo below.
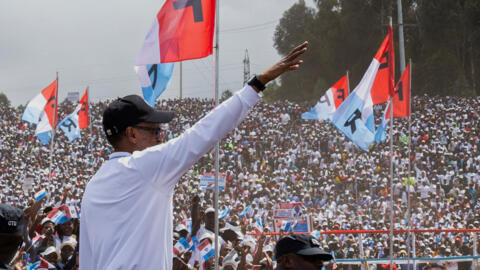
(382, 231)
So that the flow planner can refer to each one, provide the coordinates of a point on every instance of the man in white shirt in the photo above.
(127, 213)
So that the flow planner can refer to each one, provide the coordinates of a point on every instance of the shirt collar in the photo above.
(116, 155)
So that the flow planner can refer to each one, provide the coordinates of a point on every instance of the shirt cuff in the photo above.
(249, 95)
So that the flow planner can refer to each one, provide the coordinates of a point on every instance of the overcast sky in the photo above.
(95, 42)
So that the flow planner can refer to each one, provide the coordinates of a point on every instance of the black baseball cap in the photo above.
(12, 221)
(301, 244)
(129, 111)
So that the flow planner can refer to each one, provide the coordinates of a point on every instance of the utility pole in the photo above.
(246, 68)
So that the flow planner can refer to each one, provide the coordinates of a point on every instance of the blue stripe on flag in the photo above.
(44, 137)
(70, 127)
(157, 78)
(348, 120)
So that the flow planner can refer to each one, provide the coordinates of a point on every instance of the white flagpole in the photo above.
(217, 31)
(409, 215)
(391, 177)
(348, 84)
(53, 132)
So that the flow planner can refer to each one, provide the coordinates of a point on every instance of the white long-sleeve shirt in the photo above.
(126, 219)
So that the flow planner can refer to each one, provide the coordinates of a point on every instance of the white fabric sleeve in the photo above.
(164, 164)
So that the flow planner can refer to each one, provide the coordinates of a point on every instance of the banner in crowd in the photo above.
(207, 181)
(329, 102)
(289, 216)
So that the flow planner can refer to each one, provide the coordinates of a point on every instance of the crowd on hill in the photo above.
(273, 157)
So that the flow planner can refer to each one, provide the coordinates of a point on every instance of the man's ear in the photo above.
(131, 135)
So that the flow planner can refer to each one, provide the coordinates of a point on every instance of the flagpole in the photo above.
(348, 83)
(53, 131)
(409, 209)
(181, 79)
(391, 177)
(217, 13)
(89, 121)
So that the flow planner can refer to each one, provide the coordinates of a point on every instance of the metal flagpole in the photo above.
(90, 123)
(181, 79)
(53, 132)
(391, 177)
(409, 209)
(217, 13)
(348, 83)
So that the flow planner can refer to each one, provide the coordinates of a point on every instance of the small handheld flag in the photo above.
(206, 250)
(244, 212)
(40, 194)
(181, 246)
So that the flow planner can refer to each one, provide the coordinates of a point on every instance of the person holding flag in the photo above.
(127, 213)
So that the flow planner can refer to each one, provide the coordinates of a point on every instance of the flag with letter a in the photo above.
(329, 102)
(182, 30)
(77, 120)
(42, 111)
(383, 86)
(401, 99)
(354, 117)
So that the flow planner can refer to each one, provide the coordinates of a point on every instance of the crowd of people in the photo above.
(272, 157)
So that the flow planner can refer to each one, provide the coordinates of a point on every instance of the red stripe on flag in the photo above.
(383, 86)
(186, 29)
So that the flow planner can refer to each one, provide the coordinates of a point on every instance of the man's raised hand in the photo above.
(287, 63)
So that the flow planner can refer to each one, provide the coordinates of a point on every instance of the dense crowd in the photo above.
(272, 157)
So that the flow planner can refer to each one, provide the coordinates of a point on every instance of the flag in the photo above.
(224, 213)
(42, 264)
(206, 250)
(285, 225)
(329, 102)
(57, 216)
(77, 120)
(244, 212)
(70, 211)
(154, 80)
(182, 30)
(383, 85)
(181, 246)
(258, 227)
(42, 111)
(401, 99)
(354, 117)
(380, 134)
(83, 114)
(40, 194)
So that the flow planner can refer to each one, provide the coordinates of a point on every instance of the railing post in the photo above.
(414, 250)
(475, 253)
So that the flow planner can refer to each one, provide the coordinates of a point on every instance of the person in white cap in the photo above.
(127, 210)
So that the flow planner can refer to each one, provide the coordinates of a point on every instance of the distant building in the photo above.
(73, 97)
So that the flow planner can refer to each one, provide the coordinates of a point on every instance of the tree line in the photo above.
(442, 39)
